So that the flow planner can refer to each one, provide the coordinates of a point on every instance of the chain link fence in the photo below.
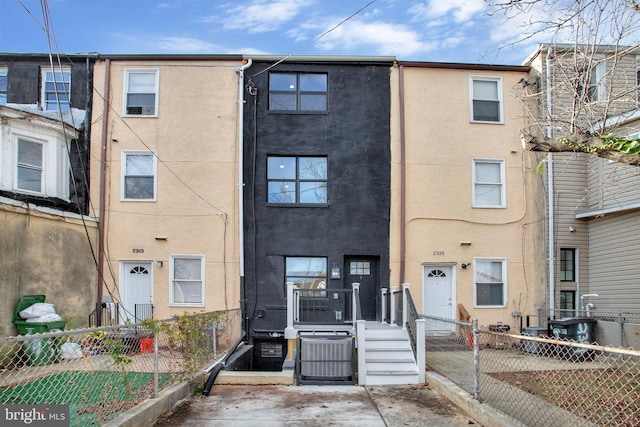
(540, 380)
(102, 372)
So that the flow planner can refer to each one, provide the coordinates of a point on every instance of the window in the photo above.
(138, 176)
(141, 92)
(567, 265)
(486, 99)
(307, 272)
(297, 180)
(298, 92)
(596, 87)
(30, 165)
(490, 287)
(488, 183)
(4, 85)
(56, 89)
(187, 280)
(567, 300)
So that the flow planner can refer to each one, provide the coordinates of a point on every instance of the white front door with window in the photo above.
(437, 291)
(136, 291)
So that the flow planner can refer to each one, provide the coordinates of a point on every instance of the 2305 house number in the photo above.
(438, 253)
(137, 251)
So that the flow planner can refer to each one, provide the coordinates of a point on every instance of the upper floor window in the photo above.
(298, 91)
(30, 165)
(490, 275)
(141, 92)
(596, 87)
(297, 180)
(488, 183)
(139, 176)
(486, 99)
(187, 280)
(56, 89)
(4, 85)
(567, 265)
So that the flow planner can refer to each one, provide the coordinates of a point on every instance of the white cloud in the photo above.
(381, 37)
(461, 10)
(186, 44)
(259, 16)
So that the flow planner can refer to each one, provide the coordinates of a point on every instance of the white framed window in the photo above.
(4, 85)
(186, 280)
(34, 161)
(141, 92)
(486, 99)
(29, 165)
(56, 89)
(490, 282)
(488, 183)
(139, 170)
(596, 90)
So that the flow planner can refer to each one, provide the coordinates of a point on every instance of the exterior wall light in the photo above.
(159, 263)
(335, 271)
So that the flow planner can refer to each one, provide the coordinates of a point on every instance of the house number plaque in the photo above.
(137, 251)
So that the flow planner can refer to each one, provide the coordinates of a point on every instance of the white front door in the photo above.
(438, 291)
(136, 292)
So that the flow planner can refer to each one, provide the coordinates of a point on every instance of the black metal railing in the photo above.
(412, 316)
(110, 314)
(142, 312)
(397, 307)
(323, 306)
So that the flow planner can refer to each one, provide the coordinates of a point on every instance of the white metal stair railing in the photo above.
(389, 358)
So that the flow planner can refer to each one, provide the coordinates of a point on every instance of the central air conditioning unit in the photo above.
(326, 360)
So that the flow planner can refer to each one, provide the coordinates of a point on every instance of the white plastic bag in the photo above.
(36, 310)
(50, 317)
(70, 350)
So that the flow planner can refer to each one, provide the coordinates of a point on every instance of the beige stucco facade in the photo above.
(193, 213)
(434, 145)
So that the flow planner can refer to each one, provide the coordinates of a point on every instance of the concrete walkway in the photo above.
(278, 405)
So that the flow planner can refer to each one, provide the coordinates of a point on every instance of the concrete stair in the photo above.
(389, 358)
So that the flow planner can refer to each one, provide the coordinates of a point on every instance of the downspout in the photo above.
(403, 240)
(103, 196)
(246, 64)
(550, 197)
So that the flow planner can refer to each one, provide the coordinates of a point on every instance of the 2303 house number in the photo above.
(438, 253)
(137, 251)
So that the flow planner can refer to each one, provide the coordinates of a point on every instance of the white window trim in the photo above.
(504, 281)
(43, 72)
(500, 99)
(125, 90)
(123, 170)
(172, 302)
(55, 161)
(601, 83)
(503, 195)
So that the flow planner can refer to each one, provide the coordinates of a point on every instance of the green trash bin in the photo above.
(37, 351)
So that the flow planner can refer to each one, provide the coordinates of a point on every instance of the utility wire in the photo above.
(357, 12)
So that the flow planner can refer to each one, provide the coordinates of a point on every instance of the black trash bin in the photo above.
(577, 329)
(37, 351)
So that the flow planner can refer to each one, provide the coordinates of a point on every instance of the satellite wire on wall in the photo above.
(357, 12)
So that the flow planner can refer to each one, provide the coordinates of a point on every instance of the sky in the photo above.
(465, 31)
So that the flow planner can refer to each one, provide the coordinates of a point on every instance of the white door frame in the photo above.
(449, 268)
(126, 309)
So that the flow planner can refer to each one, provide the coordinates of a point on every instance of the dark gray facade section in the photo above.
(354, 135)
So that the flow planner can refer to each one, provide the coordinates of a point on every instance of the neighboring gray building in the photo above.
(594, 220)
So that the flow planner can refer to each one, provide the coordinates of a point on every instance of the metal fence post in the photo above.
(621, 328)
(421, 352)
(476, 361)
(155, 364)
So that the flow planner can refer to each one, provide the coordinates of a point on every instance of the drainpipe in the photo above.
(246, 64)
(403, 240)
(550, 197)
(103, 196)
